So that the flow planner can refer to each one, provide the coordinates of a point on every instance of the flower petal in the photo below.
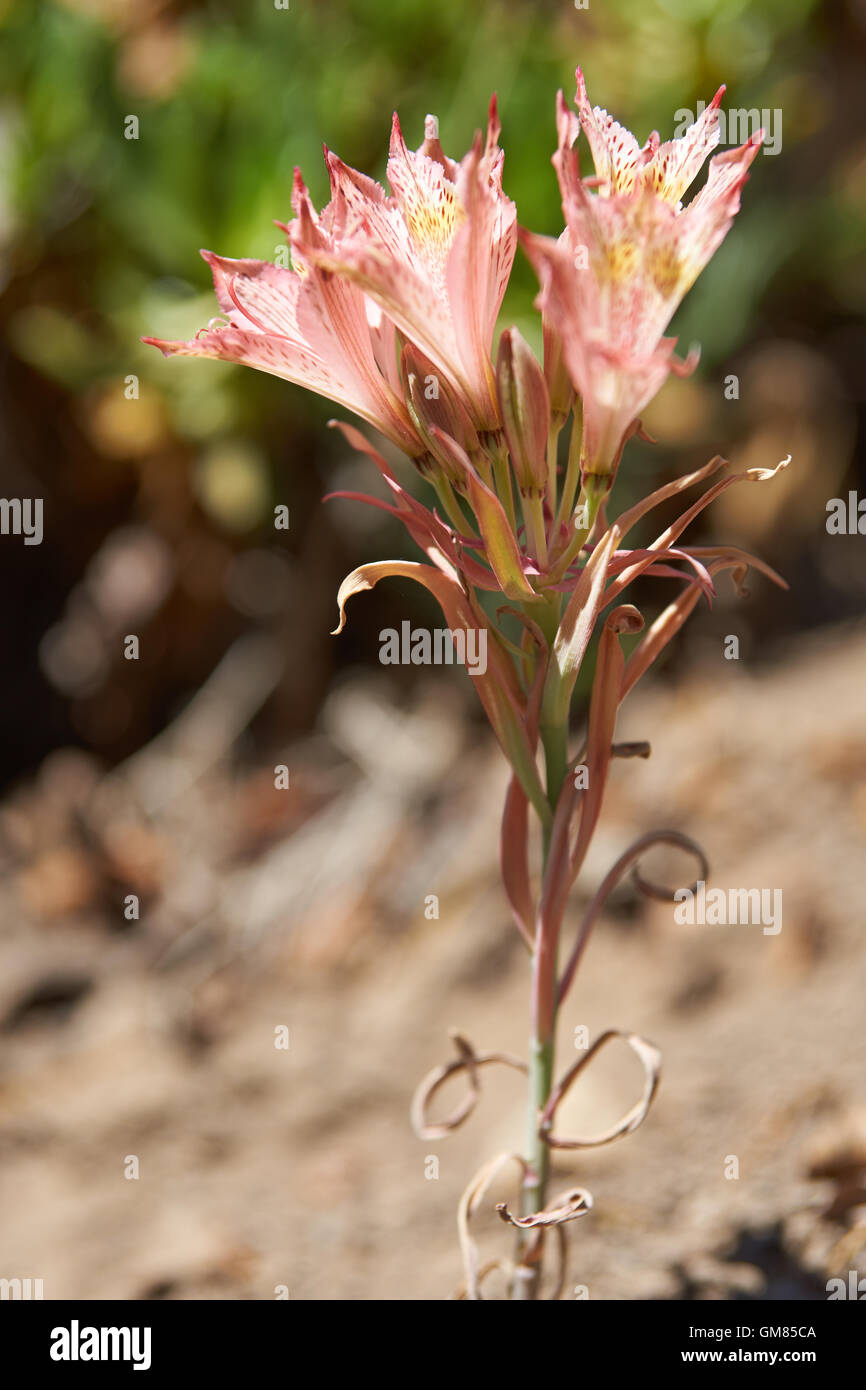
(305, 327)
(615, 152)
(677, 163)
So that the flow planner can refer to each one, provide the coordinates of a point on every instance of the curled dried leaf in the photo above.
(467, 1060)
(761, 475)
(651, 1059)
(567, 1207)
(469, 1203)
(658, 891)
(562, 1263)
(630, 857)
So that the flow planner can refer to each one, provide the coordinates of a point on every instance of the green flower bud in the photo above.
(524, 406)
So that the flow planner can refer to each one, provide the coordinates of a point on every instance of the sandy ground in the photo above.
(260, 1166)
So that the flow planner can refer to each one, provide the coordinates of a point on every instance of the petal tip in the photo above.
(166, 345)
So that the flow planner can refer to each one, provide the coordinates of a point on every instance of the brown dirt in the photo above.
(262, 1167)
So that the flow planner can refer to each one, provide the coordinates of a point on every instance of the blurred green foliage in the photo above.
(99, 233)
(231, 95)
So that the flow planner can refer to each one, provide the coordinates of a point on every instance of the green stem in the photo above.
(534, 1191)
(556, 423)
(572, 472)
(502, 477)
(533, 511)
(542, 1040)
(554, 740)
(589, 503)
(451, 506)
(554, 733)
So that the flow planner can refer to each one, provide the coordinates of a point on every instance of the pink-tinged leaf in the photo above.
(514, 847)
(536, 636)
(342, 495)
(575, 630)
(514, 858)
(497, 687)
(663, 542)
(500, 543)
(604, 703)
(658, 571)
(362, 445)
(637, 562)
(657, 636)
(423, 526)
(671, 619)
(630, 518)
(428, 531)
(732, 556)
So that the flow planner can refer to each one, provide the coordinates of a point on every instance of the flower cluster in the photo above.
(389, 308)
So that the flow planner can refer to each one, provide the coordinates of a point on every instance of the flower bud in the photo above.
(556, 375)
(436, 410)
(524, 406)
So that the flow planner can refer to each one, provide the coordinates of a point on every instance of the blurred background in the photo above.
(164, 907)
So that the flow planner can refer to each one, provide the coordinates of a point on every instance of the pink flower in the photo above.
(630, 252)
(309, 327)
(435, 255)
(431, 260)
